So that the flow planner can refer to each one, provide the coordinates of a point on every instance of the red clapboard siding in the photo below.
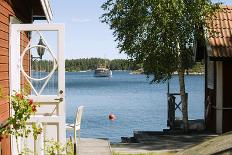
(6, 145)
(26, 59)
(4, 115)
(4, 51)
(4, 27)
(5, 12)
(24, 40)
(4, 83)
(4, 9)
(4, 59)
(4, 35)
(5, 92)
(4, 18)
(4, 107)
(4, 43)
(5, 5)
(4, 76)
(4, 68)
(3, 100)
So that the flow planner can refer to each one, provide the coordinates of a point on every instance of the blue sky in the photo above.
(85, 35)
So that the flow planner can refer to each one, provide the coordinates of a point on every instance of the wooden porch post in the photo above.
(219, 96)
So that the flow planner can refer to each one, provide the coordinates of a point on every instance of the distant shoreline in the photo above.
(140, 71)
(136, 72)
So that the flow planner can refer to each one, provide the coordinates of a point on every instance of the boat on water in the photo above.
(102, 71)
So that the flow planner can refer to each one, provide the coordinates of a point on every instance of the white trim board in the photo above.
(47, 9)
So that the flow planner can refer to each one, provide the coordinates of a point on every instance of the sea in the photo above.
(137, 104)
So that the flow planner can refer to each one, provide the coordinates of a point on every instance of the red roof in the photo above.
(221, 42)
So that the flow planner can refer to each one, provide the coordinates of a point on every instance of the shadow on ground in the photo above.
(162, 143)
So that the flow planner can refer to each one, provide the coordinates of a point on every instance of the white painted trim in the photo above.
(47, 10)
(44, 98)
(54, 62)
(61, 80)
(219, 97)
(14, 73)
(13, 59)
(15, 68)
(39, 27)
(39, 143)
(47, 119)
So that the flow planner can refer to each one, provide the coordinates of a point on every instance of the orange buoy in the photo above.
(112, 117)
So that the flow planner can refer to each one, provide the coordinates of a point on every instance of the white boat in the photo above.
(102, 71)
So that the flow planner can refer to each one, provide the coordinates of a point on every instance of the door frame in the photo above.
(15, 69)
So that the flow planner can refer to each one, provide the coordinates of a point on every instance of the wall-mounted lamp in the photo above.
(40, 50)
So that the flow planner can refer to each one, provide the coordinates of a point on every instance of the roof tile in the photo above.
(221, 41)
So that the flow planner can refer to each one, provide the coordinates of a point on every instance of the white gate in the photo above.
(51, 113)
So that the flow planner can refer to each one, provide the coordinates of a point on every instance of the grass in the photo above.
(155, 153)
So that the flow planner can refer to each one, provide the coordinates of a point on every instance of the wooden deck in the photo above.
(91, 146)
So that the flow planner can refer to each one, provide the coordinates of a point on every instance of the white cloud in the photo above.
(79, 20)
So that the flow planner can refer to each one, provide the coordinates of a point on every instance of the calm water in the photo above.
(137, 104)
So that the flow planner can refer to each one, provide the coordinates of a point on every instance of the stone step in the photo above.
(92, 146)
(149, 136)
(162, 142)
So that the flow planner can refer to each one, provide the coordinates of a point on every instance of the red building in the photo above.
(217, 54)
(11, 12)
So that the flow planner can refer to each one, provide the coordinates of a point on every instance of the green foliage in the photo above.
(160, 35)
(16, 125)
(70, 148)
(75, 65)
(27, 88)
(26, 151)
(36, 130)
(156, 33)
(53, 147)
(197, 68)
(42, 65)
(84, 64)
(23, 108)
(93, 63)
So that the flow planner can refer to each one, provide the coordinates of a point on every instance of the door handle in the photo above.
(61, 91)
(59, 99)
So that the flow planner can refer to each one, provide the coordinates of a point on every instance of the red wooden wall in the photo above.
(6, 10)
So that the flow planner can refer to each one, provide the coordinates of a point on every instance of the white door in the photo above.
(44, 73)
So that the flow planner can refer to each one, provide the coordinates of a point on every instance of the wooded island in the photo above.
(84, 64)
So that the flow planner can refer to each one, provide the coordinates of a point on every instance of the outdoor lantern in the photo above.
(40, 50)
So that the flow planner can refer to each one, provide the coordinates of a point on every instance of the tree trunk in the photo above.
(183, 98)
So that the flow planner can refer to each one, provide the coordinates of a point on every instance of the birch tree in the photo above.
(159, 34)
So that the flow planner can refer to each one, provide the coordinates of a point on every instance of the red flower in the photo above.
(34, 108)
(30, 101)
(20, 96)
